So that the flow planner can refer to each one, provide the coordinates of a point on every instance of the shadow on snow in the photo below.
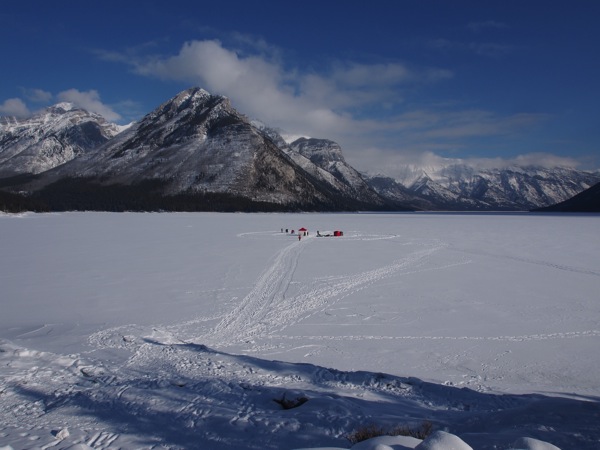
(191, 396)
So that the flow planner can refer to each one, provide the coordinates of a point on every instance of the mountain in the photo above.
(50, 138)
(586, 201)
(196, 146)
(323, 159)
(196, 152)
(390, 189)
(463, 187)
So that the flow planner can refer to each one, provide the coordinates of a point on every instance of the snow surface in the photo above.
(180, 330)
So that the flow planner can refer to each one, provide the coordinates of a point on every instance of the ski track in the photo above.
(244, 320)
(267, 309)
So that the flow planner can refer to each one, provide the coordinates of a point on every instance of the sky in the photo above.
(393, 82)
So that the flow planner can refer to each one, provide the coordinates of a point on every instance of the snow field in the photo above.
(180, 330)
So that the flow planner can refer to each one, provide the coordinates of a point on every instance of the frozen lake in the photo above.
(498, 303)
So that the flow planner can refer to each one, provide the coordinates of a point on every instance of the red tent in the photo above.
(302, 229)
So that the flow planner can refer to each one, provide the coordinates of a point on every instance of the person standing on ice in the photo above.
(299, 236)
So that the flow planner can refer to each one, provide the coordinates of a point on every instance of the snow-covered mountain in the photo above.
(323, 158)
(395, 192)
(458, 186)
(197, 143)
(50, 138)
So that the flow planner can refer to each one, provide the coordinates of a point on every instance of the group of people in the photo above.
(301, 232)
(304, 232)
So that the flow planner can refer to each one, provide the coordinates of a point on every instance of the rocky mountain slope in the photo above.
(323, 159)
(586, 201)
(197, 144)
(50, 138)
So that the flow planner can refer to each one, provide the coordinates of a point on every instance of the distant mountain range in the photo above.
(459, 187)
(196, 152)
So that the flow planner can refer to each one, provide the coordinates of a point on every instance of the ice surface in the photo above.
(180, 330)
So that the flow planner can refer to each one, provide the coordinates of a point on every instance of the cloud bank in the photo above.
(369, 108)
(395, 164)
(38, 95)
(375, 110)
(360, 105)
(14, 107)
(301, 101)
(88, 100)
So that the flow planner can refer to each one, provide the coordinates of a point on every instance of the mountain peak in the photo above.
(193, 102)
(191, 94)
(50, 138)
(197, 143)
(319, 151)
(64, 106)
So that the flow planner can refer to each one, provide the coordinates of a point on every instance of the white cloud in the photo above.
(478, 27)
(545, 160)
(90, 101)
(539, 159)
(38, 95)
(394, 164)
(488, 49)
(337, 102)
(367, 75)
(257, 85)
(14, 107)
(303, 102)
(472, 123)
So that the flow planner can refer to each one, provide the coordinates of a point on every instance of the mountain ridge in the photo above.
(50, 138)
(464, 187)
(587, 201)
(198, 144)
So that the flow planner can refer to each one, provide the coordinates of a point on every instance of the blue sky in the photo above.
(394, 82)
